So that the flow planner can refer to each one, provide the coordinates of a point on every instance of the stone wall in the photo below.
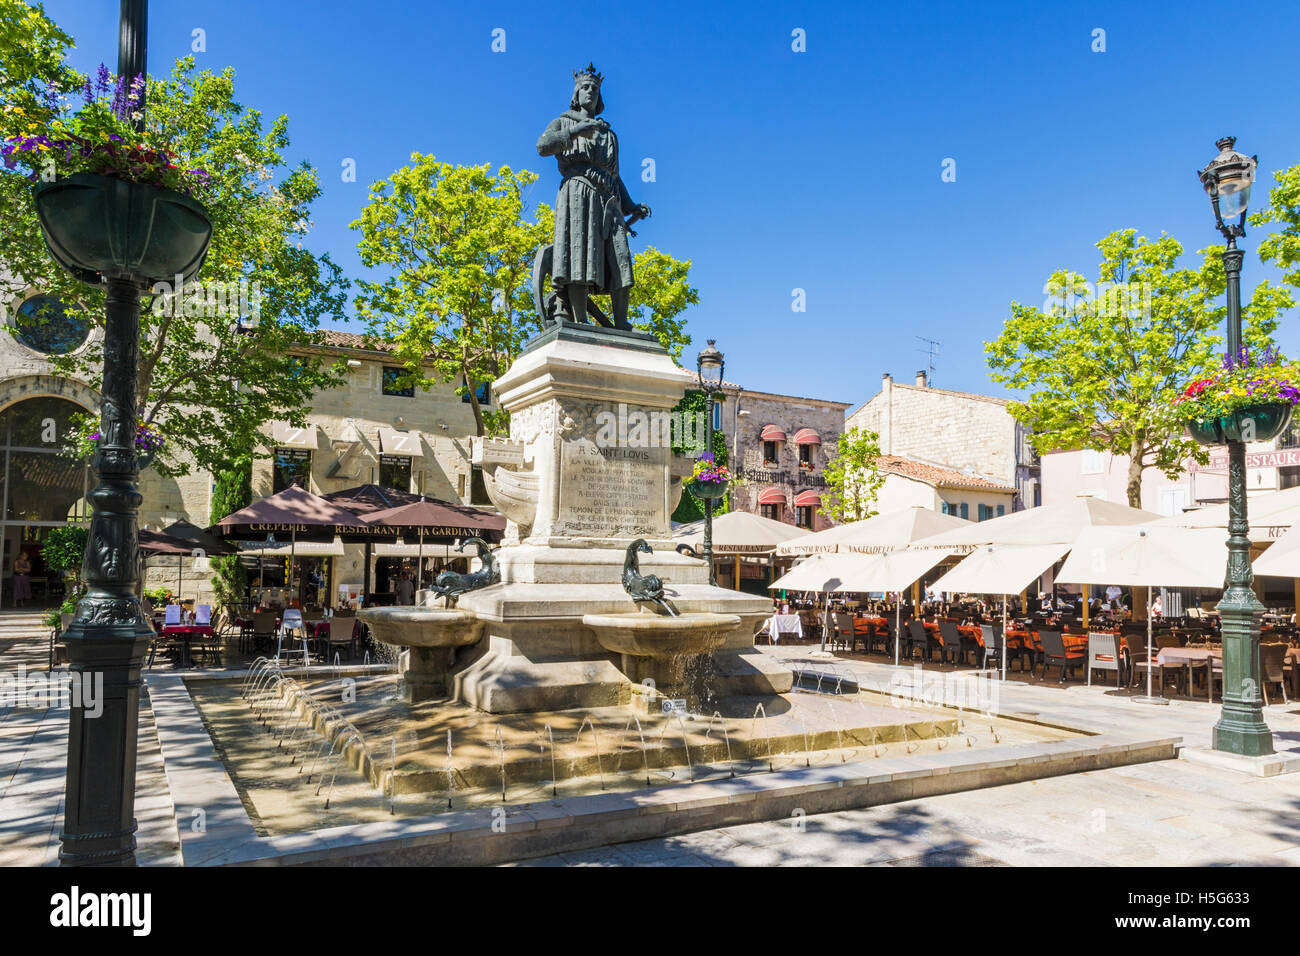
(346, 423)
(956, 430)
(790, 413)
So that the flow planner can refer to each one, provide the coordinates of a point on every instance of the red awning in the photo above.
(807, 498)
(806, 436)
(772, 433)
(772, 496)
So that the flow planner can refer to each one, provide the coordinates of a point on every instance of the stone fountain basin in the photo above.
(423, 626)
(641, 634)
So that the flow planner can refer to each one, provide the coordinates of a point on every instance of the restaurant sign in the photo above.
(1280, 458)
(378, 531)
(781, 478)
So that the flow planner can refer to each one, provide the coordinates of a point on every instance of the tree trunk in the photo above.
(1135, 469)
(473, 403)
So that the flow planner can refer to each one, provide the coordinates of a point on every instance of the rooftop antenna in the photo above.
(932, 351)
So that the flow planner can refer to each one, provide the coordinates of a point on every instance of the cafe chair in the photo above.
(343, 634)
(841, 634)
(1055, 653)
(995, 645)
(949, 643)
(1272, 659)
(921, 640)
(1104, 655)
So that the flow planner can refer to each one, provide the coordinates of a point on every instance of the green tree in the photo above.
(215, 365)
(64, 548)
(457, 248)
(1282, 248)
(459, 254)
(852, 477)
(1103, 365)
(232, 490)
(662, 293)
(693, 407)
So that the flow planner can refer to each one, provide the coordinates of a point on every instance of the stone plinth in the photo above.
(589, 411)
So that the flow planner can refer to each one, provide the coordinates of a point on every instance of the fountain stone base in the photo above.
(589, 437)
(431, 637)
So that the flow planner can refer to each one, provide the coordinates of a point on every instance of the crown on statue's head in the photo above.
(588, 73)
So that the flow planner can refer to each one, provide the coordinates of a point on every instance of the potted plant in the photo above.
(111, 201)
(709, 480)
(1250, 397)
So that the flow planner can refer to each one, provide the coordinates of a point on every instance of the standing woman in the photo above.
(22, 579)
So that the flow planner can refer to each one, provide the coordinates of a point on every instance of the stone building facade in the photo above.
(961, 431)
(366, 431)
(780, 445)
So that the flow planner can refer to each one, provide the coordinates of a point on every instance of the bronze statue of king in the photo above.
(590, 254)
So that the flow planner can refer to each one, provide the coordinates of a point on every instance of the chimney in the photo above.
(920, 379)
(886, 380)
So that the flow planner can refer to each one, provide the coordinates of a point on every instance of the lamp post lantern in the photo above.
(1241, 728)
(708, 372)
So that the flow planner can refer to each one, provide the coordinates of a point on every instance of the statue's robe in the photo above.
(590, 235)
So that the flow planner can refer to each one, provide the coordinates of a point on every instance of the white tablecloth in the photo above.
(784, 624)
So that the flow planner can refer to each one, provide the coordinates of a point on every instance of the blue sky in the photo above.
(779, 170)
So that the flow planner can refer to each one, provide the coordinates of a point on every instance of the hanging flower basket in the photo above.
(103, 227)
(1248, 423)
(707, 490)
(148, 442)
(1250, 398)
(709, 481)
(113, 200)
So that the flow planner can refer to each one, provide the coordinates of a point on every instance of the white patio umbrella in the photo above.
(1148, 557)
(1057, 523)
(1282, 560)
(1001, 569)
(882, 532)
(1270, 515)
(895, 571)
(822, 573)
(887, 571)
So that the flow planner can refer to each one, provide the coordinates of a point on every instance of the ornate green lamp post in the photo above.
(708, 372)
(124, 236)
(1241, 728)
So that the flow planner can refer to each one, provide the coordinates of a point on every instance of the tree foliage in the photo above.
(1282, 248)
(458, 252)
(662, 293)
(64, 547)
(1103, 364)
(853, 479)
(215, 366)
(231, 491)
(694, 407)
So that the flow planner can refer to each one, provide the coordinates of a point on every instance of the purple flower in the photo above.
(103, 78)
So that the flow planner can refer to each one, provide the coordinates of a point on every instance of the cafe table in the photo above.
(186, 633)
(1191, 657)
(779, 624)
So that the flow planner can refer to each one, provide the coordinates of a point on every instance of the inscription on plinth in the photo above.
(611, 492)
